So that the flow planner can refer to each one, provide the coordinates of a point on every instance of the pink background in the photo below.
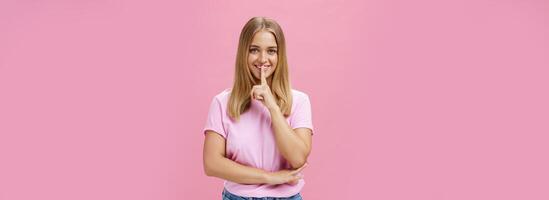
(441, 100)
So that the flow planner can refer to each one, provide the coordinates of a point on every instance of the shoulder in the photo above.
(299, 96)
(223, 96)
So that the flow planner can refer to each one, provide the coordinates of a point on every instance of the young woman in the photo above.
(258, 134)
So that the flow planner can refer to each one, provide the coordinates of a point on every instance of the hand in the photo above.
(285, 176)
(263, 93)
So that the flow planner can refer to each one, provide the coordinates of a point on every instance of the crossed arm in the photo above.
(294, 145)
(217, 165)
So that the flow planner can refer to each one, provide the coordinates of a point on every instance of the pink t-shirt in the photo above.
(251, 141)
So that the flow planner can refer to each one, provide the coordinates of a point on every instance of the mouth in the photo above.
(260, 66)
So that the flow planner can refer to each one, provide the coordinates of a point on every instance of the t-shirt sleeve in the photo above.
(214, 122)
(302, 116)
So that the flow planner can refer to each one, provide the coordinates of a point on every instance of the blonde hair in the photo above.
(240, 99)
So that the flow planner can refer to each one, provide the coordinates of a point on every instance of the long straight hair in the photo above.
(240, 98)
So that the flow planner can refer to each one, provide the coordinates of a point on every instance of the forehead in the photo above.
(264, 39)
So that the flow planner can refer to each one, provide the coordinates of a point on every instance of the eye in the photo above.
(254, 51)
(272, 51)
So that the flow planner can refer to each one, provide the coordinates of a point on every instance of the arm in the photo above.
(294, 145)
(217, 165)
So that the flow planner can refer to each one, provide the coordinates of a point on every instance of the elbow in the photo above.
(297, 163)
(208, 171)
(208, 168)
(297, 160)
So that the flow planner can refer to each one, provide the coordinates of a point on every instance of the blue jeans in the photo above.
(229, 196)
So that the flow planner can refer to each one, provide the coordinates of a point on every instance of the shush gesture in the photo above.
(263, 92)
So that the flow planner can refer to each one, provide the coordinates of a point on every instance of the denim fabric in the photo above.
(229, 196)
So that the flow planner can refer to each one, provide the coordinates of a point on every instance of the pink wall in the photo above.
(431, 100)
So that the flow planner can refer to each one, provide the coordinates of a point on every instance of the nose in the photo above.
(263, 58)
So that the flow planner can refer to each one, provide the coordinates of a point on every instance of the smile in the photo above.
(259, 66)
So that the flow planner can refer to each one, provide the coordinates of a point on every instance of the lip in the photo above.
(259, 66)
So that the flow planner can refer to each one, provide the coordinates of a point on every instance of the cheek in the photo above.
(274, 59)
(251, 59)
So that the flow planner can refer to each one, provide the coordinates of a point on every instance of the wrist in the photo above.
(266, 176)
(274, 108)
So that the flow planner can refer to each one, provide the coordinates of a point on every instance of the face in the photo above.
(263, 51)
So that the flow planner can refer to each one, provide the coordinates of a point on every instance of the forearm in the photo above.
(290, 146)
(230, 170)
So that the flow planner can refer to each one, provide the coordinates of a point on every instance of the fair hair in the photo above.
(240, 99)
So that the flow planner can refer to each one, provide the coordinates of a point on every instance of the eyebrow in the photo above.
(271, 47)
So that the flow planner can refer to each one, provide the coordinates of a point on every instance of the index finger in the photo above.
(263, 76)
